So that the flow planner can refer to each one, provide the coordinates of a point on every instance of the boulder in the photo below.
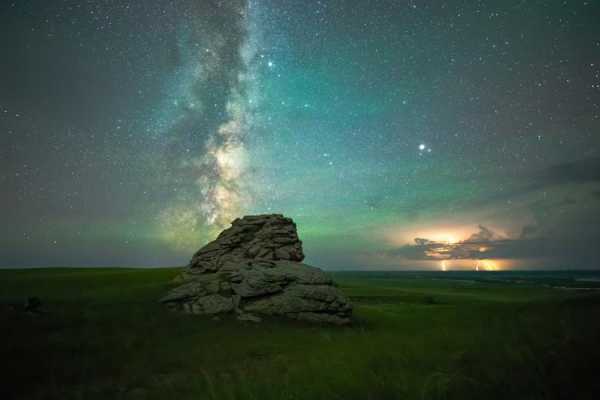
(254, 269)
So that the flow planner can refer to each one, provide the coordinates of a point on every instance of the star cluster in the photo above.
(146, 127)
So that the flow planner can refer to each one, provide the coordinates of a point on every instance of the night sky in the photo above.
(397, 134)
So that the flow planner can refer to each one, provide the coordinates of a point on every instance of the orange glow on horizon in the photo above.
(486, 265)
(475, 265)
(443, 234)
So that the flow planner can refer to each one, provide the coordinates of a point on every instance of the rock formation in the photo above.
(254, 268)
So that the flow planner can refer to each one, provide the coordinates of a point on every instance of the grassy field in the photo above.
(103, 336)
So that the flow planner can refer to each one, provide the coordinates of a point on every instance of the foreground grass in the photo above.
(103, 335)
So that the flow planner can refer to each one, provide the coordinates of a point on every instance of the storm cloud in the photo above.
(484, 244)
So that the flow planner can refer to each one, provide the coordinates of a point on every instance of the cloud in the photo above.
(528, 231)
(484, 234)
(482, 244)
(581, 171)
(553, 214)
(585, 173)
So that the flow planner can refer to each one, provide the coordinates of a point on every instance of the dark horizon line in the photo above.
(563, 269)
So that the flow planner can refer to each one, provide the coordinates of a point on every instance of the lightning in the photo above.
(443, 265)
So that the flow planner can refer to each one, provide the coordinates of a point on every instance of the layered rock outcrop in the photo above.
(254, 269)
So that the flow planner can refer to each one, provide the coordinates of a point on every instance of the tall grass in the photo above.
(103, 335)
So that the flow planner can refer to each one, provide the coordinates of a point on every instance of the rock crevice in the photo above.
(254, 269)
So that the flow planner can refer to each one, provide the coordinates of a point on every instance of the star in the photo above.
(242, 107)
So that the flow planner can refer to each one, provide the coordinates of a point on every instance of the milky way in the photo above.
(220, 169)
(132, 132)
